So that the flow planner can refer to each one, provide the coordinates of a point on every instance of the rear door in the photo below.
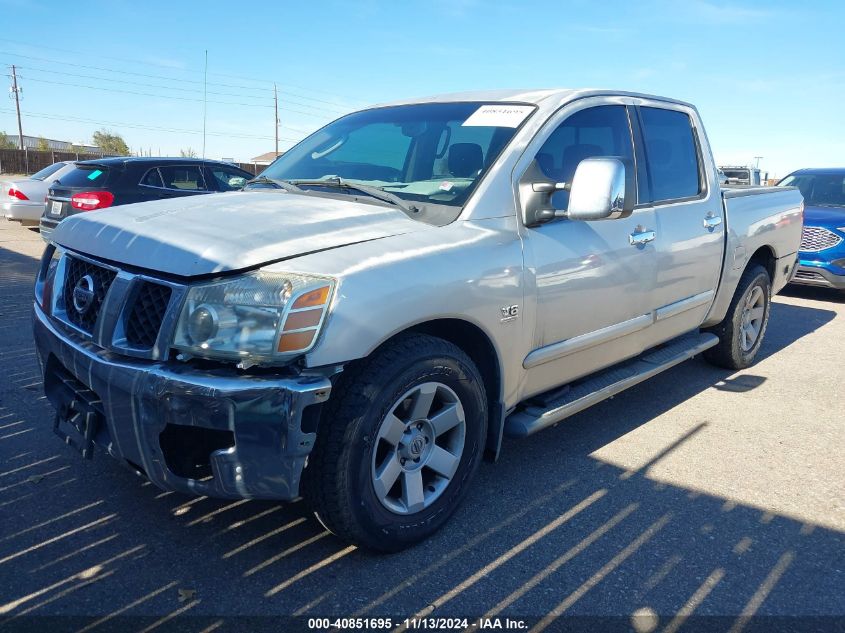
(180, 180)
(690, 225)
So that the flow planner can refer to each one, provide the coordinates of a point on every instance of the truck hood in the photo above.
(212, 233)
(827, 217)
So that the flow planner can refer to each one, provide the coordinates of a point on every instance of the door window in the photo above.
(184, 177)
(671, 154)
(599, 131)
(228, 179)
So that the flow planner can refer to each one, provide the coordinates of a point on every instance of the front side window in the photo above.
(671, 154)
(185, 177)
(427, 154)
(819, 190)
(228, 179)
(599, 131)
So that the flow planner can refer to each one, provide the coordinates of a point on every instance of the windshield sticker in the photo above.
(94, 174)
(446, 186)
(498, 116)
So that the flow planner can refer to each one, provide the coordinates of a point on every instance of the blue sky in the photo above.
(768, 78)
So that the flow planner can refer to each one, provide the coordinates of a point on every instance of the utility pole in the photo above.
(17, 92)
(276, 125)
(757, 158)
(204, 101)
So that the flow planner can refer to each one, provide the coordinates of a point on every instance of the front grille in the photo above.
(83, 314)
(146, 315)
(814, 239)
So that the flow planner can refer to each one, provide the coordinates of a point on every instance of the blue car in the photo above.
(821, 261)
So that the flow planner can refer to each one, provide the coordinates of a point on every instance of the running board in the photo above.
(552, 407)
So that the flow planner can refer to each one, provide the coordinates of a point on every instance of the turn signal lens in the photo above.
(304, 319)
(296, 341)
(312, 298)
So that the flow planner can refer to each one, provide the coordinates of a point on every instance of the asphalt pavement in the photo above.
(699, 493)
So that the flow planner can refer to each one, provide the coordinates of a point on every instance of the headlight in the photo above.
(257, 317)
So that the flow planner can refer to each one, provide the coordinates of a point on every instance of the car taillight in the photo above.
(17, 193)
(90, 200)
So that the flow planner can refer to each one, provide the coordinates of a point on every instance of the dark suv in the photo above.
(107, 182)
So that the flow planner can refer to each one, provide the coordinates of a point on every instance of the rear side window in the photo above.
(185, 177)
(599, 131)
(671, 154)
(85, 176)
(152, 179)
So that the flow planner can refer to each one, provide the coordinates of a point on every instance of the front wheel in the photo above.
(398, 442)
(742, 330)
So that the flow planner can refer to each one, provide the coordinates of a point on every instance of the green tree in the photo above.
(187, 153)
(5, 143)
(43, 145)
(111, 142)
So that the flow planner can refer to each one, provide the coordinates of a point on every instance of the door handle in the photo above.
(641, 238)
(711, 221)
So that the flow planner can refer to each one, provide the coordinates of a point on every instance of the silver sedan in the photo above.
(23, 200)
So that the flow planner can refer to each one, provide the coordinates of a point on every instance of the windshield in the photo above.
(47, 171)
(426, 154)
(738, 174)
(821, 190)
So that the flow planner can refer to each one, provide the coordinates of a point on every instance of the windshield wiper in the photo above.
(281, 184)
(375, 192)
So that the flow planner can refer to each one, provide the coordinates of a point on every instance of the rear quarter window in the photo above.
(85, 176)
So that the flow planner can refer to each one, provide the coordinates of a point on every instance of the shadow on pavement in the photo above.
(549, 529)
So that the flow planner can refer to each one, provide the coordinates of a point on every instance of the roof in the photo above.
(535, 96)
(820, 170)
(266, 157)
(159, 160)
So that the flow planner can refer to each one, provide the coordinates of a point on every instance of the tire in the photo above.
(397, 411)
(737, 349)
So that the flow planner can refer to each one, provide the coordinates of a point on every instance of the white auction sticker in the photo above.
(498, 115)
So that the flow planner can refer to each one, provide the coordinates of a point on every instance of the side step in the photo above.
(547, 409)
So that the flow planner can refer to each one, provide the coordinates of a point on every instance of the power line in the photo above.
(41, 115)
(169, 68)
(177, 88)
(157, 96)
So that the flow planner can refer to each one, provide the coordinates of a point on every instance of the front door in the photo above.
(593, 286)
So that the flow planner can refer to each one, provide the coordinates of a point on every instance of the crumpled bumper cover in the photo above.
(140, 399)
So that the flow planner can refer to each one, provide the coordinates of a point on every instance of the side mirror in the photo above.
(602, 189)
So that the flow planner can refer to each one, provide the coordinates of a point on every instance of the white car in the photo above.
(24, 199)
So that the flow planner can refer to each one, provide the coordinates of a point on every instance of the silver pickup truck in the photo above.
(366, 320)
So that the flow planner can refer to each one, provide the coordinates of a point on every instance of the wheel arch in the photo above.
(764, 256)
(479, 346)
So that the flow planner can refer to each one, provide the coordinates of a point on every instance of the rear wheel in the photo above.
(741, 332)
(398, 442)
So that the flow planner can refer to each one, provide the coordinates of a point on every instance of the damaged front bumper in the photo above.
(207, 432)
